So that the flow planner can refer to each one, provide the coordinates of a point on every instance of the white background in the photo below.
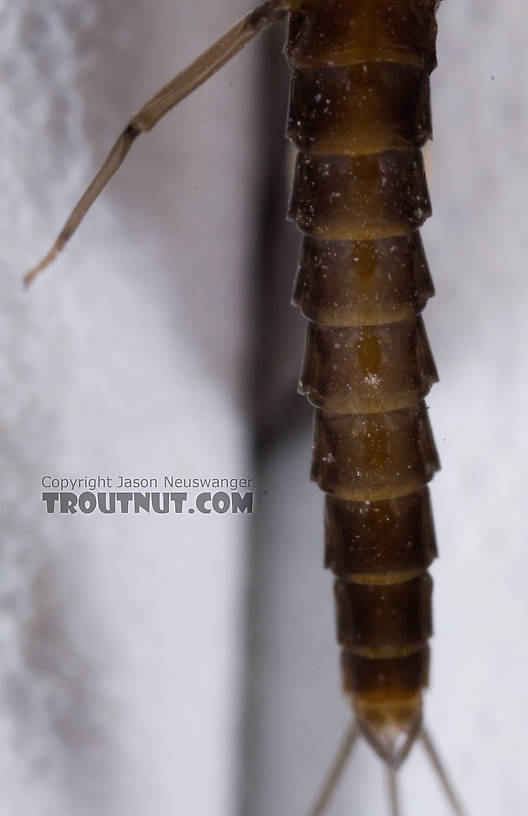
(121, 636)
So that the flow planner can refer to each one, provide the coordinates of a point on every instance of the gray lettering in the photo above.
(201, 500)
(124, 500)
(157, 505)
(242, 504)
(68, 502)
(221, 502)
(179, 500)
(142, 502)
(50, 499)
(106, 502)
(87, 502)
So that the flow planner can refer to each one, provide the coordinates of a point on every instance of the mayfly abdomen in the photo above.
(359, 115)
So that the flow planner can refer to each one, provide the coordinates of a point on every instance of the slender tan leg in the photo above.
(393, 792)
(440, 772)
(158, 105)
(335, 772)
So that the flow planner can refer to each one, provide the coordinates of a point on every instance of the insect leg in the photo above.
(393, 792)
(335, 772)
(184, 83)
(440, 772)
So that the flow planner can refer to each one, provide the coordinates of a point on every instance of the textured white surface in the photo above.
(119, 636)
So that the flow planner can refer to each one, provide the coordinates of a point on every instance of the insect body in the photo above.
(359, 115)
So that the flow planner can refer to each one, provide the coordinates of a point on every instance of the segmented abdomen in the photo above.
(359, 114)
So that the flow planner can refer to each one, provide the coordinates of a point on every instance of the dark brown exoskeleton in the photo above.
(359, 116)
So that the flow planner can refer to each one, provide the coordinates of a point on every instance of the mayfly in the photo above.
(359, 116)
